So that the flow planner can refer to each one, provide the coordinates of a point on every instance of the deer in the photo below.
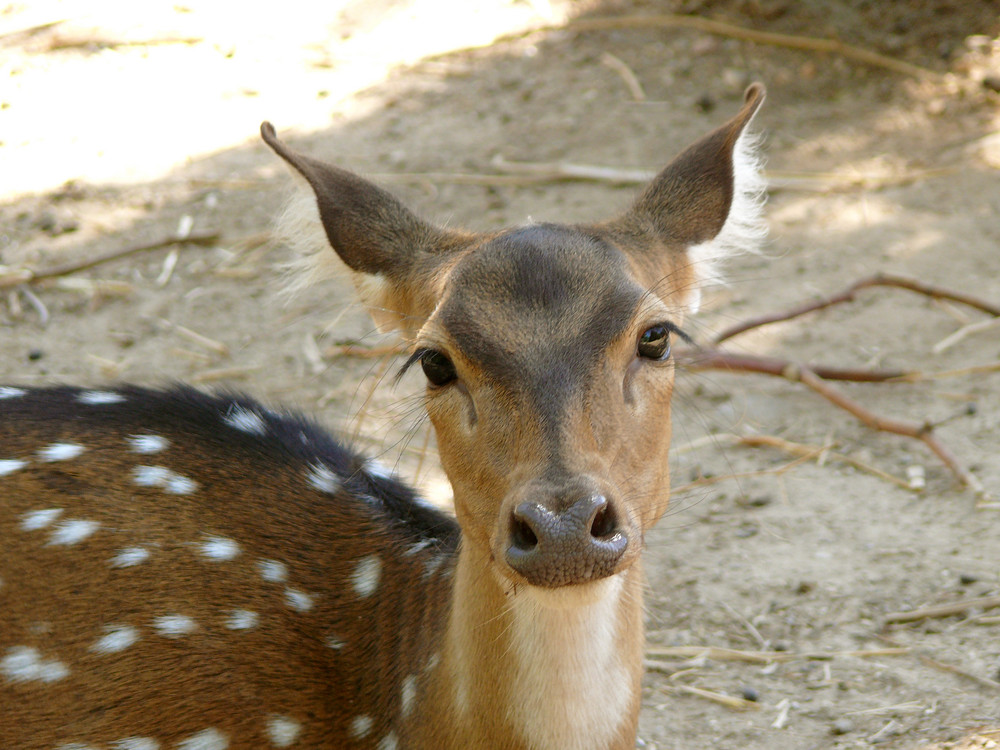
(192, 570)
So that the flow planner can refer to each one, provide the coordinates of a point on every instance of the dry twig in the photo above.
(718, 28)
(17, 276)
(942, 610)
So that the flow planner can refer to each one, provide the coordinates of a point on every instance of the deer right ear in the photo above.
(394, 253)
(707, 202)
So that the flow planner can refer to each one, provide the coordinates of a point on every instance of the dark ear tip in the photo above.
(268, 133)
(755, 93)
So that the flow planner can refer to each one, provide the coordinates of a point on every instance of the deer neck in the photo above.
(556, 668)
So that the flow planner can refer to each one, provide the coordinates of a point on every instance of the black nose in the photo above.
(583, 542)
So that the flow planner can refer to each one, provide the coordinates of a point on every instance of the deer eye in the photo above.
(655, 343)
(437, 367)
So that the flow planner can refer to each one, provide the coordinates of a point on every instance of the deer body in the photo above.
(181, 570)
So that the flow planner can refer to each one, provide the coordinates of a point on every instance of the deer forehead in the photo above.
(540, 302)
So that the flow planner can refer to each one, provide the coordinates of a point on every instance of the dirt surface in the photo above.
(119, 127)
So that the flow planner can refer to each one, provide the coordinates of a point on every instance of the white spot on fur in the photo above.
(8, 392)
(39, 519)
(389, 742)
(220, 548)
(136, 743)
(283, 730)
(567, 660)
(242, 619)
(432, 662)
(323, 479)
(76, 746)
(129, 556)
(377, 469)
(72, 532)
(298, 600)
(60, 452)
(272, 570)
(206, 739)
(245, 420)
(10, 465)
(147, 444)
(366, 576)
(174, 626)
(116, 638)
(744, 229)
(415, 548)
(334, 642)
(99, 398)
(361, 726)
(408, 694)
(162, 477)
(25, 664)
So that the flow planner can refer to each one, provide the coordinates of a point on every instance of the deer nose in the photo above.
(552, 548)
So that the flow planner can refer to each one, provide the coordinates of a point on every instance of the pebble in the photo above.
(842, 726)
(749, 694)
(992, 82)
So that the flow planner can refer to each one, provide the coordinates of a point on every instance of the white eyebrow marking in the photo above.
(220, 548)
(283, 730)
(162, 477)
(8, 392)
(116, 638)
(71, 532)
(323, 479)
(129, 556)
(39, 519)
(59, 452)
(147, 443)
(272, 570)
(334, 642)
(174, 626)
(298, 600)
(10, 465)
(242, 619)
(206, 739)
(25, 664)
(389, 742)
(245, 420)
(366, 575)
(98, 398)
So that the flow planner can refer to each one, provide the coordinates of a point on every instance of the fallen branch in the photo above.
(694, 360)
(847, 295)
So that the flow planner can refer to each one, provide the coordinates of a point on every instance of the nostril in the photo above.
(522, 536)
(605, 522)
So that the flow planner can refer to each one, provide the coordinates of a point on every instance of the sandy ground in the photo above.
(125, 124)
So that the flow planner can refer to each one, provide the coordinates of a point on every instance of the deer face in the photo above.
(547, 351)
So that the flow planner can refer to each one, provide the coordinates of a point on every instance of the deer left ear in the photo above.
(708, 201)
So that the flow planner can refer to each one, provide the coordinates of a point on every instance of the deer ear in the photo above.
(708, 200)
(394, 253)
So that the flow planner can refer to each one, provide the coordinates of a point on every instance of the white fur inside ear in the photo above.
(300, 229)
(745, 228)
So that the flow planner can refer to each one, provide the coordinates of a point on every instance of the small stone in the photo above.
(842, 726)
(749, 694)
(992, 82)
(966, 578)
(35, 354)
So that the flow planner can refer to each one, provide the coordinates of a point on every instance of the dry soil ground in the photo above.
(120, 125)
